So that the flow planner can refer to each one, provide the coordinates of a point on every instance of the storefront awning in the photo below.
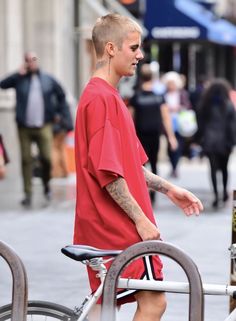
(186, 20)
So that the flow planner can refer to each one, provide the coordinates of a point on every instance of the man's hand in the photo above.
(146, 229)
(173, 143)
(23, 70)
(185, 200)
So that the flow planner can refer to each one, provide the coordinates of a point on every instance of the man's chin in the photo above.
(130, 73)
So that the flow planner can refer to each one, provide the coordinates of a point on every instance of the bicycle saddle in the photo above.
(85, 252)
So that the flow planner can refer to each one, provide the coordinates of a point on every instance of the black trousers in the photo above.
(218, 162)
(175, 155)
(151, 143)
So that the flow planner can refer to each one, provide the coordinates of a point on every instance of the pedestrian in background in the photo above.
(177, 99)
(113, 207)
(217, 132)
(151, 117)
(39, 98)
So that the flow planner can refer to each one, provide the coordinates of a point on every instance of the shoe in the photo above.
(26, 202)
(225, 197)
(215, 203)
(174, 174)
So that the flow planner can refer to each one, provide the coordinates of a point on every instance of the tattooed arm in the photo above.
(155, 182)
(120, 193)
(184, 199)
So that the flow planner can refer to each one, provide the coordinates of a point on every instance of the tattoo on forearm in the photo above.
(121, 195)
(155, 182)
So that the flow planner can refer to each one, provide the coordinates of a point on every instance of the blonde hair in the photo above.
(173, 76)
(112, 27)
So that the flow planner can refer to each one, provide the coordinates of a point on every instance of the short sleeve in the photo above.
(105, 155)
(142, 154)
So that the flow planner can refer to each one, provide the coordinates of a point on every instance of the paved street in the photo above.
(37, 235)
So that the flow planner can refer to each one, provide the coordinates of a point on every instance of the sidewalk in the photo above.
(38, 234)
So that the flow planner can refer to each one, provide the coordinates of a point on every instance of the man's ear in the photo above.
(110, 49)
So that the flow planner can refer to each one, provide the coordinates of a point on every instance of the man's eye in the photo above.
(134, 48)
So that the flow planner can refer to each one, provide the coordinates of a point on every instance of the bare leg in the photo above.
(151, 306)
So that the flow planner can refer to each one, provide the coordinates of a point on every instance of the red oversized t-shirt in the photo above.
(106, 147)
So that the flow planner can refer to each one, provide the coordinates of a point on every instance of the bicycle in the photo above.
(93, 257)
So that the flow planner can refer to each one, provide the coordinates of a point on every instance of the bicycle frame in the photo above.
(98, 265)
(166, 286)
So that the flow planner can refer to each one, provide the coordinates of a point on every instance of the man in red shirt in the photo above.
(113, 208)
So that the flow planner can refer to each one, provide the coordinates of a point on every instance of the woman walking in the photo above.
(217, 123)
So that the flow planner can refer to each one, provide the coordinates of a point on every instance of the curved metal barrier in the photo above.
(196, 299)
(232, 301)
(20, 284)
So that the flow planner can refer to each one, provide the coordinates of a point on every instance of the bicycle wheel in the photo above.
(41, 311)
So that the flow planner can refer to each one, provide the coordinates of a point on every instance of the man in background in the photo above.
(40, 101)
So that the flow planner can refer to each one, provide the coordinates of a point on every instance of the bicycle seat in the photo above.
(85, 252)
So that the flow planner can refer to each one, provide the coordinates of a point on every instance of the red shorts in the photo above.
(146, 268)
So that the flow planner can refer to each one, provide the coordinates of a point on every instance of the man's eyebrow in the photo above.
(134, 46)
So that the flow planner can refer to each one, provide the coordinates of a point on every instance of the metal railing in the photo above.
(196, 297)
(19, 284)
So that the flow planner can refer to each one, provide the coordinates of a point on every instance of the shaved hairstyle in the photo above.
(114, 28)
(30, 55)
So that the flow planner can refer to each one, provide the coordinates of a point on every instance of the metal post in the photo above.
(20, 284)
(232, 302)
(196, 299)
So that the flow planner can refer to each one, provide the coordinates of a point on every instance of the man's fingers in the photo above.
(192, 209)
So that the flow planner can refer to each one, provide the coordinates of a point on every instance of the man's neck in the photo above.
(147, 86)
(111, 79)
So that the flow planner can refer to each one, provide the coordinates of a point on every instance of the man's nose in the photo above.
(140, 55)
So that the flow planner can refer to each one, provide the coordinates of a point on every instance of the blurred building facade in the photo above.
(46, 27)
(191, 37)
(59, 31)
